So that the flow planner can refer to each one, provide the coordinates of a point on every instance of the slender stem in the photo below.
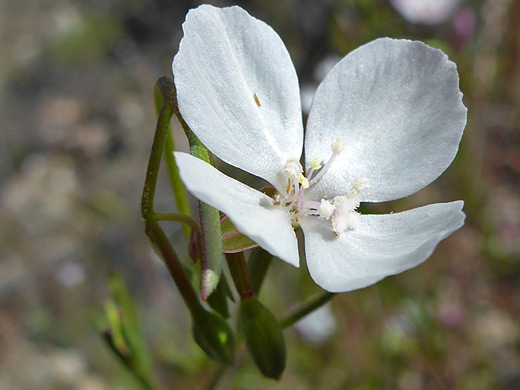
(167, 110)
(157, 236)
(258, 264)
(152, 228)
(306, 308)
(181, 198)
(240, 274)
(175, 217)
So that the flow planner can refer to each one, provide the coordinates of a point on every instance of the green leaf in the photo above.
(130, 327)
(232, 240)
(114, 328)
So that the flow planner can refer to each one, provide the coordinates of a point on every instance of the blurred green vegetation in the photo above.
(77, 111)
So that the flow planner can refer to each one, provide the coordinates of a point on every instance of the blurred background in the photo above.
(77, 123)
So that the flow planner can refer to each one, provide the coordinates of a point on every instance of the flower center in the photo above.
(341, 210)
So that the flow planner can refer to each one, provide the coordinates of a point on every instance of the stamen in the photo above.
(292, 168)
(324, 169)
(341, 210)
(315, 163)
(338, 145)
(303, 181)
(360, 183)
(302, 192)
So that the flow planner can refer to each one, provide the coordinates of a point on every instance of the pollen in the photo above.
(303, 181)
(338, 145)
(360, 183)
(315, 163)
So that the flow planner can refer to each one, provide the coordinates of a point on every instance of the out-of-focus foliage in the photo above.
(77, 112)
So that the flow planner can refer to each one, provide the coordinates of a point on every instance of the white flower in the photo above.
(385, 122)
(318, 326)
(426, 11)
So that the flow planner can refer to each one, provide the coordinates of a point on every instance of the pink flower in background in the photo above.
(426, 11)
(463, 26)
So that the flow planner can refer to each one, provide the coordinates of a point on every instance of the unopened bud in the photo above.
(263, 337)
(214, 336)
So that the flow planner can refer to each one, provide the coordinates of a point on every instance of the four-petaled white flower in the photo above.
(386, 121)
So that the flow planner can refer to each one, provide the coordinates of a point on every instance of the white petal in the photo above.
(381, 245)
(398, 106)
(225, 59)
(251, 211)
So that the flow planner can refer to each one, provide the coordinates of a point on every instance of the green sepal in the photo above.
(232, 240)
(212, 256)
(214, 336)
(263, 337)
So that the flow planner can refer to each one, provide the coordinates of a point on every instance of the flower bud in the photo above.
(263, 337)
(214, 336)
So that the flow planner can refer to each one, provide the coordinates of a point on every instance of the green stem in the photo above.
(157, 236)
(179, 192)
(152, 228)
(175, 217)
(167, 110)
(240, 274)
(258, 264)
(306, 308)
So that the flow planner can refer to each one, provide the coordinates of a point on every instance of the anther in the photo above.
(315, 163)
(338, 145)
(359, 184)
(303, 181)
